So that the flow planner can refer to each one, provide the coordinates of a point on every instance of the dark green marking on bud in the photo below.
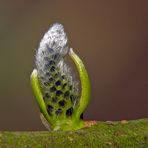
(50, 108)
(55, 90)
(66, 94)
(64, 85)
(58, 83)
(62, 103)
(54, 99)
(47, 95)
(59, 93)
(69, 112)
(58, 111)
(51, 80)
(52, 69)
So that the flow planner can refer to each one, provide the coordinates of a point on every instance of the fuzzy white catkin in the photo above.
(54, 43)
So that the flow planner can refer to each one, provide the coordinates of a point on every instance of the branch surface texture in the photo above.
(122, 134)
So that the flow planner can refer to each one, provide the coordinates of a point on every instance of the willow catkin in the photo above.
(60, 91)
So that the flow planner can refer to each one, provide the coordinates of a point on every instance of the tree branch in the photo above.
(122, 134)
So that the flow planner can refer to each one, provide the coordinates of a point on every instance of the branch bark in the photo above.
(121, 134)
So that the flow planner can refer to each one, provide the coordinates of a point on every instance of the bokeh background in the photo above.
(110, 36)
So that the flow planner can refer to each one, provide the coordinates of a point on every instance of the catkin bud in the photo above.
(59, 90)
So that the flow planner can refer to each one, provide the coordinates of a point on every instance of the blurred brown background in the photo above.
(110, 36)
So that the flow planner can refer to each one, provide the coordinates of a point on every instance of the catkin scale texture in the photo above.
(59, 90)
